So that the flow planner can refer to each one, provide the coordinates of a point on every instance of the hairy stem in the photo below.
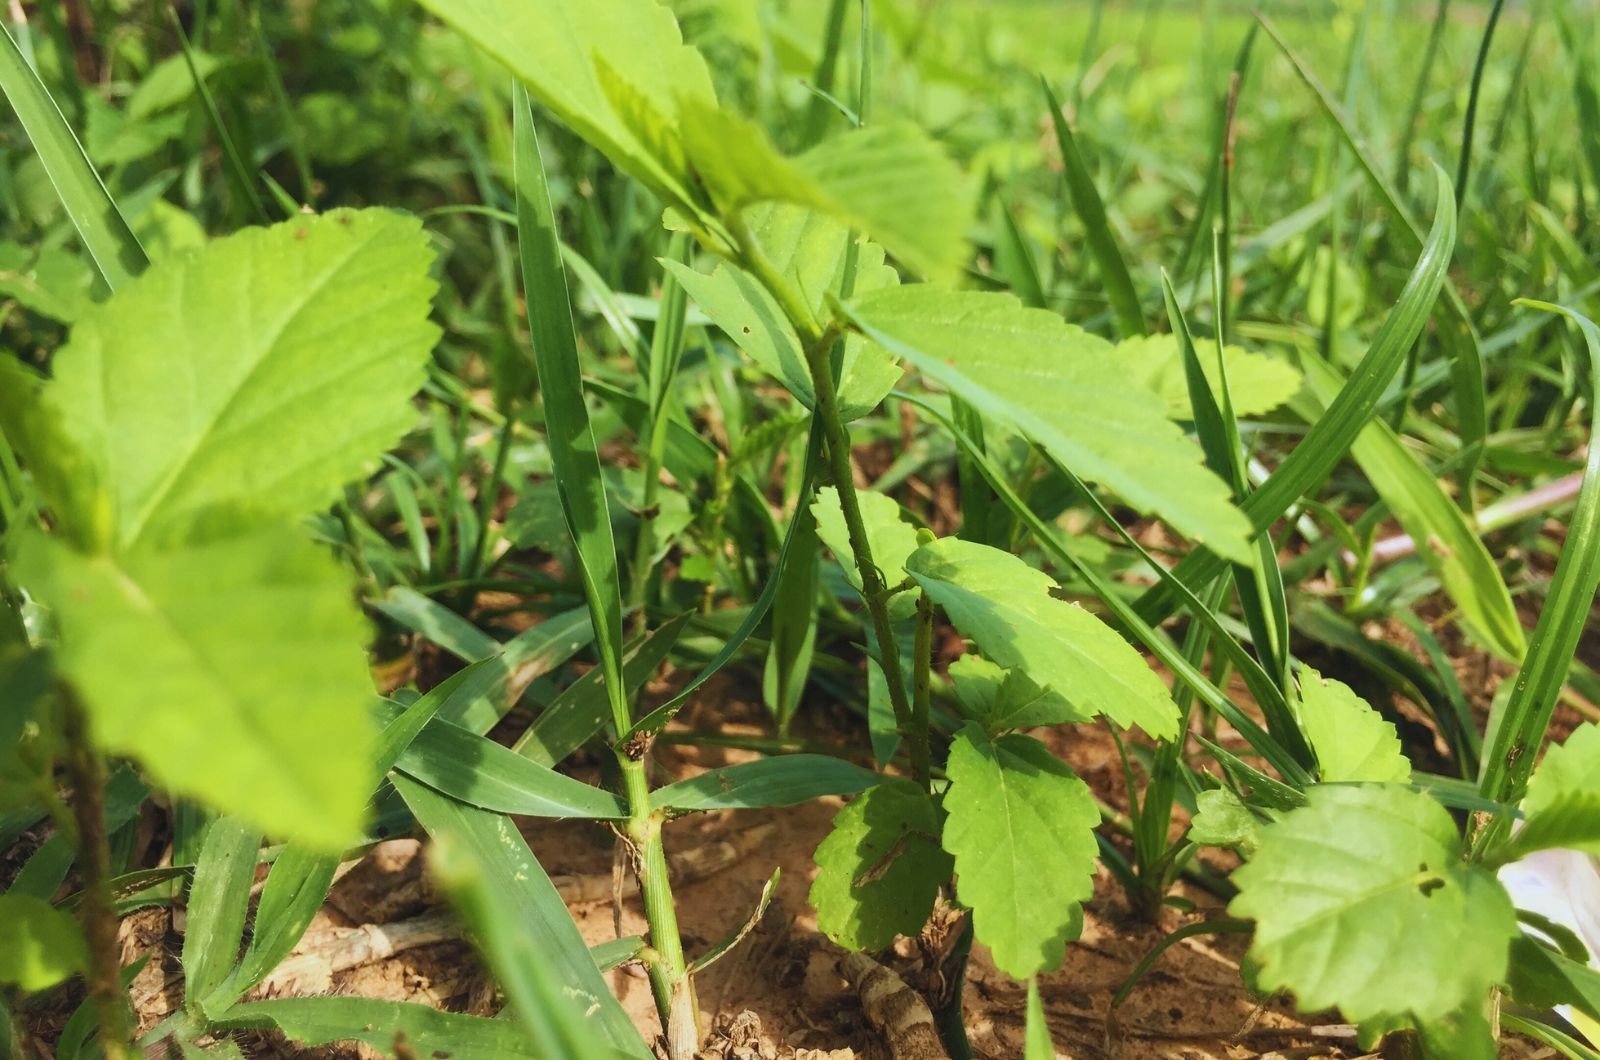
(87, 774)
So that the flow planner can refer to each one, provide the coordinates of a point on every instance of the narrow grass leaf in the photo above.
(219, 901)
(784, 781)
(105, 234)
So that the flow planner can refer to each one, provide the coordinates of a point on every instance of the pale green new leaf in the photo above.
(1005, 606)
(891, 537)
(1257, 383)
(255, 375)
(1000, 699)
(809, 250)
(1352, 741)
(1223, 820)
(1063, 389)
(258, 710)
(615, 71)
(879, 870)
(1021, 828)
(40, 945)
(1445, 540)
(1362, 902)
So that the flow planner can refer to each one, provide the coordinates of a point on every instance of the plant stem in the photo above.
(87, 774)
(669, 977)
(921, 688)
(818, 345)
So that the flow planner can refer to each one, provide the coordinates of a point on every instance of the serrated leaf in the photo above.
(1352, 741)
(1000, 699)
(1063, 389)
(1223, 820)
(1021, 829)
(615, 71)
(258, 710)
(1362, 902)
(880, 869)
(1257, 383)
(40, 945)
(893, 540)
(255, 375)
(1005, 606)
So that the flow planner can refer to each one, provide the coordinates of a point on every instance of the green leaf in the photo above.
(1001, 699)
(294, 890)
(1064, 390)
(1562, 620)
(1102, 242)
(891, 537)
(1007, 608)
(479, 772)
(1542, 978)
(784, 781)
(1325, 444)
(573, 451)
(1352, 741)
(1362, 902)
(427, 1031)
(1257, 383)
(259, 710)
(809, 248)
(1562, 806)
(614, 71)
(1021, 829)
(1223, 820)
(1446, 540)
(94, 214)
(503, 857)
(219, 900)
(254, 376)
(555, 1021)
(880, 869)
(39, 944)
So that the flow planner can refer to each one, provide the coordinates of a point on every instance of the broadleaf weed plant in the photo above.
(231, 464)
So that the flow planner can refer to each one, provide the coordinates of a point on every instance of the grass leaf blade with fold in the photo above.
(101, 226)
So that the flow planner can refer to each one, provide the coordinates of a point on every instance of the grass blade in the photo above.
(105, 234)
(1097, 227)
(573, 452)
(1509, 757)
(1325, 444)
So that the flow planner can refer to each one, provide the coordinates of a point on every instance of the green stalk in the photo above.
(88, 775)
(818, 345)
(669, 976)
(922, 680)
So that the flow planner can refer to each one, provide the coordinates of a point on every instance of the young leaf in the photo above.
(298, 348)
(39, 944)
(893, 540)
(170, 668)
(1352, 741)
(427, 1031)
(1000, 699)
(1223, 820)
(1362, 902)
(1021, 829)
(1023, 367)
(1562, 806)
(1005, 606)
(879, 870)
